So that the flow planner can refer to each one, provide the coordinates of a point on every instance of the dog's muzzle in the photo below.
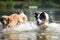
(37, 22)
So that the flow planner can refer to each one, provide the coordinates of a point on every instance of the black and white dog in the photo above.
(43, 19)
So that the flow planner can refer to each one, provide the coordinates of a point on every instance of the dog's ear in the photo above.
(42, 16)
(36, 14)
(2, 21)
(43, 13)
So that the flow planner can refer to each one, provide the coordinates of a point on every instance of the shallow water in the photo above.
(54, 29)
(30, 31)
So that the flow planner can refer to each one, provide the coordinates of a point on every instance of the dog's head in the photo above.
(41, 17)
(4, 20)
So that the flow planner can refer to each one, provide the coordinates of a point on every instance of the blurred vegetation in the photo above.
(26, 3)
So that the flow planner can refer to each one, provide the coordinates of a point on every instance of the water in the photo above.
(54, 31)
(30, 31)
(25, 31)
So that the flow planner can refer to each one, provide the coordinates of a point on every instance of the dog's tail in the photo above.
(19, 11)
(22, 12)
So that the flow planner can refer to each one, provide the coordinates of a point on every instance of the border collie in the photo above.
(42, 19)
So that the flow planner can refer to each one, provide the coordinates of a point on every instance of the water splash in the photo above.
(25, 26)
(55, 25)
(28, 30)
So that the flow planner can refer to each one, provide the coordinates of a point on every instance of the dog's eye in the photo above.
(42, 17)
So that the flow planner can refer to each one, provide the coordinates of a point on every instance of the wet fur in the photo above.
(13, 19)
(42, 19)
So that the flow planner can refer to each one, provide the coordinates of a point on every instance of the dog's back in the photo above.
(14, 18)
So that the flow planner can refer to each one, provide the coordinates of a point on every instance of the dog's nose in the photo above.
(37, 21)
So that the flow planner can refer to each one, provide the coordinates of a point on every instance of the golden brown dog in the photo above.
(9, 21)
(16, 18)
